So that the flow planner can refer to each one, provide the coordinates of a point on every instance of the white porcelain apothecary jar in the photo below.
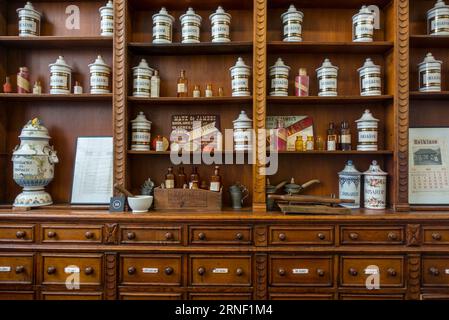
(100, 73)
(162, 27)
(60, 77)
(33, 165)
(430, 74)
(243, 132)
(240, 74)
(279, 78)
(363, 25)
(438, 19)
(327, 79)
(367, 127)
(29, 21)
(349, 185)
(221, 24)
(190, 25)
(292, 22)
(375, 185)
(140, 133)
(370, 79)
(142, 74)
(107, 20)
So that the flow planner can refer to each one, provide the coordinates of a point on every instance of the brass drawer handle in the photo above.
(282, 236)
(239, 236)
(353, 272)
(131, 235)
(436, 236)
(354, 236)
(202, 236)
(320, 272)
(20, 269)
(89, 235)
(201, 271)
(89, 270)
(321, 236)
(20, 234)
(168, 271)
(239, 271)
(281, 272)
(392, 272)
(131, 270)
(51, 234)
(434, 271)
(51, 270)
(393, 236)
(169, 236)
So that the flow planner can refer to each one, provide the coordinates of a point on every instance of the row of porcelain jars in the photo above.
(375, 186)
(30, 20)
(61, 77)
(327, 74)
(191, 26)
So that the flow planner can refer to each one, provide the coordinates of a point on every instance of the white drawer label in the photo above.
(220, 270)
(5, 269)
(371, 271)
(72, 270)
(150, 270)
(300, 271)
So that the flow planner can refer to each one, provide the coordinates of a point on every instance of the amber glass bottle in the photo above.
(194, 178)
(170, 179)
(215, 180)
(345, 136)
(182, 178)
(182, 85)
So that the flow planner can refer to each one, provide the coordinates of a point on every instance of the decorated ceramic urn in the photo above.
(33, 165)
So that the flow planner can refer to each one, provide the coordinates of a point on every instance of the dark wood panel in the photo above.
(59, 42)
(189, 49)
(375, 47)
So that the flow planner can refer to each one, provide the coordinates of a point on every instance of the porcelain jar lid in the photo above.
(218, 12)
(190, 13)
(243, 121)
(141, 119)
(375, 170)
(367, 117)
(327, 64)
(440, 4)
(143, 64)
(34, 129)
(368, 64)
(291, 10)
(429, 59)
(163, 13)
(29, 7)
(350, 169)
(240, 64)
(363, 11)
(279, 64)
(60, 62)
(99, 62)
(109, 6)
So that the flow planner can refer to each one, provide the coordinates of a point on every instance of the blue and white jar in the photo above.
(349, 185)
(33, 165)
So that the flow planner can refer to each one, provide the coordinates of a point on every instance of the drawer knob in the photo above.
(436, 236)
(353, 272)
(20, 234)
(88, 270)
(168, 271)
(282, 236)
(89, 235)
(393, 236)
(239, 236)
(434, 271)
(239, 271)
(51, 234)
(202, 236)
(201, 271)
(353, 236)
(131, 270)
(321, 236)
(169, 236)
(20, 269)
(51, 270)
(281, 272)
(320, 272)
(131, 235)
(392, 272)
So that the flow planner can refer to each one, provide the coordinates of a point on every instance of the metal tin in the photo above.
(29, 21)
(107, 20)
(375, 185)
(220, 22)
(438, 19)
(140, 133)
(33, 165)
(430, 74)
(142, 74)
(367, 127)
(162, 27)
(327, 79)
(240, 74)
(190, 25)
(279, 78)
(100, 73)
(349, 182)
(370, 79)
(363, 25)
(243, 132)
(292, 20)
(60, 77)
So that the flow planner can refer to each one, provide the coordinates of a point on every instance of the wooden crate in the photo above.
(187, 199)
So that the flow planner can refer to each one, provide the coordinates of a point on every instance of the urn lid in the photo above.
(292, 10)
(368, 64)
(109, 6)
(219, 11)
(240, 64)
(34, 129)
(243, 121)
(292, 187)
(363, 10)
(141, 118)
(143, 64)
(375, 170)
(163, 13)
(367, 117)
(429, 59)
(279, 64)
(327, 64)
(99, 62)
(190, 13)
(350, 169)
(60, 62)
(29, 7)
(440, 4)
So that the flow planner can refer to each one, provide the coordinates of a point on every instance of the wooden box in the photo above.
(196, 199)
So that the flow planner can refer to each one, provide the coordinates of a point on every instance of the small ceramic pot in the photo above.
(140, 204)
(162, 27)
(327, 79)
(100, 73)
(430, 74)
(367, 127)
(190, 25)
(370, 79)
(292, 22)
(279, 78)
(60, 77)
(240, 74)
(363, 25)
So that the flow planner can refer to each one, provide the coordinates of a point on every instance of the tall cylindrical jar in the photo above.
(243, 136)
(60, 77)
(190, 25)
(327, 79)
(292, 22)
(29, 21)
(142, 74)
(107, 20)
(240, 74)
(221, 23)
(375, 185)
(100, 73)
(279, 78)
(430, 74)
(162, 27)
(438, 19)
(370, 79)
(363, 25)
(367, 127)
(140, 133)
(349, 185)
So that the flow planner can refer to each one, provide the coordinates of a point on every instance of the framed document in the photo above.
(429, 166)
(92, 176)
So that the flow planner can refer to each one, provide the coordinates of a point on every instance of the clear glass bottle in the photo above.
(182, 85)
(345, 136)
(215, 180)
(208, 93)
(196, 92)
(170, 179)
(159, 143)
(310, 145)
(155, 85)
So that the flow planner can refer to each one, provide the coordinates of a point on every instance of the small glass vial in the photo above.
(292, 20)
(159, 144)
(302, 83)
(332, 138)
(182, 85)
(310, 145)
(319, 143)
(363, 25)
(345, 136)
(37, 88)
(155, 85)
(7, 88)
(194, 179)
(220, 22)
(29, 21)
(162, 27)
(208, 93)
(327, 79)
(370, 79)
(77, 88)
(299, 144)
(23, 80)
(220, 92)
(438, 19)
(107, 19)
(170, 179)
(196, 92)
(190, 25)
(430, 74)
(215, 180)
(279, 78)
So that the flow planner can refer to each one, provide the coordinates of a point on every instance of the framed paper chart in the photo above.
(92, 176)
(429, 166)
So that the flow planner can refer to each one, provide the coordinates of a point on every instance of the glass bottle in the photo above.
(159, 143)
(204, 185)
(7, 88)
(220, 92)
(345, 136)
(208, 93)
(319, 143)
(215, 180)
(37, 88)
(155, 85)
(77, 88)
(182, 178)
(182, 85)
(299, 144)
(310, 145)
(194, 178)
(196, 92)
(170, 179)
(331, 137)
(280, 143)
(302, 83)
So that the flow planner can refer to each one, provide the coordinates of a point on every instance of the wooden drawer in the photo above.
(435, 235)
(301, 296)
(301, 235)
(435, 271)
(220, 235)
(434, 296)
(16, 295)
(151, 235)
(163, 270)
(16, 233)
(369, 296)
(355, 270)
(209, 270)
(72, 234)
(372, 235)
(301, 271)
(220, 296)
(56, 268)
(149, 296)
(16, 268)
(72, 295)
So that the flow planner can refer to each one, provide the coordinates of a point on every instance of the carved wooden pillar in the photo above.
(260, 285)
(110, 281)
(414, 274)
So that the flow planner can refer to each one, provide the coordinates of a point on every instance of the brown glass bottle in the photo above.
(194, 178)
(345, 136)
(182, 178)
(182, 88)
(170, 179)
(331, 144)
(215, 180)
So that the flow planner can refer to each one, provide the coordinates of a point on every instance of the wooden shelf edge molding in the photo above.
(194, 48)
(376, 47)
(56, 41)
(55, 97)
(329, 100)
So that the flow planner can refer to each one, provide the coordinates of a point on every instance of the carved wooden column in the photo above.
(414, 274)
(110, 276)
(261, 278)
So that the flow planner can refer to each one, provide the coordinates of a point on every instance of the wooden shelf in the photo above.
(55, 97)
(61, 206)
(338, 152)
(152, 152)
(329, 100)
(55, 42)
(416, 95)
(426, 41)
(356, 4)
(202, 48)
(191, 101)
(377, 47)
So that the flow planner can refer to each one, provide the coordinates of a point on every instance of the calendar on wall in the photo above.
(429, 166)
